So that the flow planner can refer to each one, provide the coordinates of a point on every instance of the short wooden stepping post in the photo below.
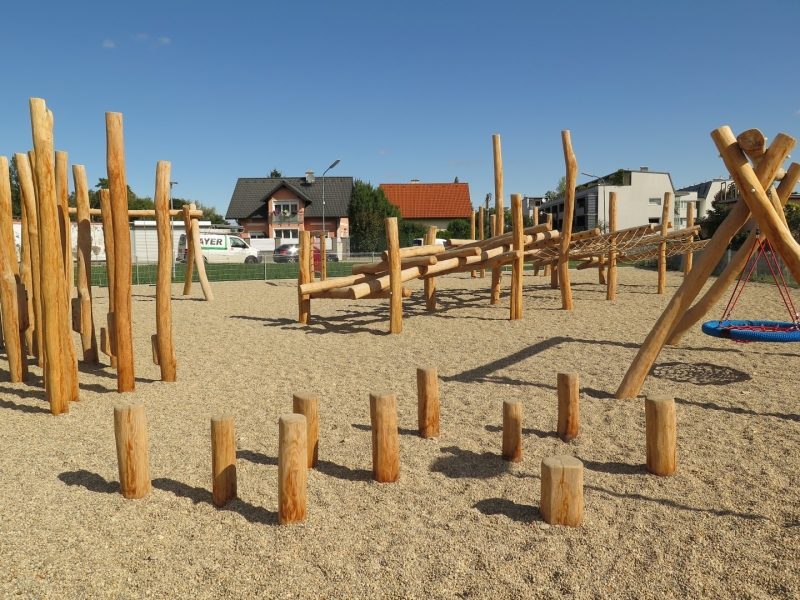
(130, 431)
(660, 423)
(562, 491)
(568, 406)
(428, 402)
(292, 468)
(307, 404)
(512, 431)
(385, 445)
(223, 459)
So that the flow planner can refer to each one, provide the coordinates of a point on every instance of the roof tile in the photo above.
(430, 200)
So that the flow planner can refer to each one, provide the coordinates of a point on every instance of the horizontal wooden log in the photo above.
(416, 251)
(459, 253)
(589, 264)
(345, 294)
(332, 284)
(95, 212)
(377, 284)
(383, 266)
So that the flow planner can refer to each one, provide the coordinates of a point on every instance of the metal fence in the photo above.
(761, 272)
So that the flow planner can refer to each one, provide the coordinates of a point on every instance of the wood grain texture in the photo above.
(611, 283)
(395, 277)
(568, 406)
(13, 334)
(518, 265)
(662, 247)
(428, 402)
(385, 444)
(133, 458)
(661, 430)
(87, 331)
(304, 277)
(307, 404)
(566, 225)
(292, 469)
(223, 459)
(512, 431)
(198, 258)
(166, 351)
(429, 285)
(190, 250)
(562, 491)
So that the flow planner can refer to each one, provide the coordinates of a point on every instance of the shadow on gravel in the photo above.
(525, 431)
(91, 481)
(254, 514)
(400, 430)
(37, 394)
(21, 407)
(341, 472)
(256, 457)
(739, 411)
(614, 468)
(458, 463)
(522, 513)
(598, 394)
(698, 373)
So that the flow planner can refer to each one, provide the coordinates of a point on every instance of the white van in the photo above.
(221, 248)
(421, 242)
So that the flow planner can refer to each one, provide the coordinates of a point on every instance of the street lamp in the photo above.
(603, 181)
(171, 229)
(336, 162)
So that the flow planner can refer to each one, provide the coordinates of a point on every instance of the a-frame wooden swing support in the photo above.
(758, 197)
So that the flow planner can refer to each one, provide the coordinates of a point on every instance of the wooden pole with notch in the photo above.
(566, 226)
(166, 351)
(88, 338)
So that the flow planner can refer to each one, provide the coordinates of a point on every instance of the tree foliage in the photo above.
(275, 173)
(369, 207)
(559, 192)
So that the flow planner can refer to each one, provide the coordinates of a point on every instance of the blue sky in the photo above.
(399, 90)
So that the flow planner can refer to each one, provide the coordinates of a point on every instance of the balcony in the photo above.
(285, 218)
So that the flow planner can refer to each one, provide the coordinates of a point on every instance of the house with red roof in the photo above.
(430, 203)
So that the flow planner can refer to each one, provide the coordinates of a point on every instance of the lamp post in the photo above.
(171, 229)
(603, 181)
(336, 162)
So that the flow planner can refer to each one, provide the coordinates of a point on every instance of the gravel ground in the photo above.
(460, 522)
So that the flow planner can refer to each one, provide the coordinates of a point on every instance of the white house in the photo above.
(640, 195)
(702, 194)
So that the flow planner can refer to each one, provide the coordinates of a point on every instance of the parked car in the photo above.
(220, 248)
(286, 253)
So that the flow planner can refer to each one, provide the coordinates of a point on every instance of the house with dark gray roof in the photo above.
(702, 194)
(282, 207)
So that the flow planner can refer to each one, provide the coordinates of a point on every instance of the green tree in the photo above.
(559, 192)
(275, 173)
(408, 231)
(456, 179)
(16, 198)
(714, 218)
(209, 212)
(369, 207)
(459, 229)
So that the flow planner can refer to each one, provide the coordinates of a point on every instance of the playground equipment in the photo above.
(757, 196)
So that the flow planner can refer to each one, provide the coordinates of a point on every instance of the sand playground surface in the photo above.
(460, 522)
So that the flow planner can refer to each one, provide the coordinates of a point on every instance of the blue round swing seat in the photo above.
(753, 331)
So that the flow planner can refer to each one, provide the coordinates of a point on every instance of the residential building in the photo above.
(640, 196)
(702, 194)
(430, 204)
(282, 207)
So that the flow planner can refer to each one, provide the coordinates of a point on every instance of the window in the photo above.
(654, 220)
(283, 207)
(286, 233)
(655, 201)
(237, 243)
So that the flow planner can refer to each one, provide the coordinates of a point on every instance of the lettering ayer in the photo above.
(204, 242)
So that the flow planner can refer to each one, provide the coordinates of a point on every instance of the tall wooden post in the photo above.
(198, 257)
(56, 366)
(611, 284)
(30, 269)
(323, 256)
(481, 233)
(430, 282)
(62, 191)
(190, 250)
(307, 404)
(568, 406)
(166, 351)
(88, 338)
(395, 277)
(517, 268)
(687, 261)
(662, 248)
(512, 431)
(292, 468)
(499, 212)
(106, 333)
(566, 226)
(547, 267)
(385, 446)
(536, 222)
(118, 187)
(660, 425)
(12, 332)
(133, 458)
(304, 276)
(428, 402)
(223, 458)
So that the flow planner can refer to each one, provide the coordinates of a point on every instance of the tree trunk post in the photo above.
(499, 212)
(130, 432)
(512, 431)
(395, 277)
(87, 331)
(304, 276)
(481, 232)
(660, 424)
(568, 406)
(307, 404)
(292, 468)
(566, 226)
(562, 491)
(611, 284)
(190, 249)
(223, 459)
(12, 332)
(111, 261)
(166, 351)
(428, 402)
(473, 273)
(385, 446)
(518, 266)
(662, 248)
(687, 261)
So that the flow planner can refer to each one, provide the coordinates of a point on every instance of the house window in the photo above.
(654, 220)
(286, 234)
(282, 207)
(655, 201)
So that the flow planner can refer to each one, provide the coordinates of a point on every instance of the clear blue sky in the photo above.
(400, 90)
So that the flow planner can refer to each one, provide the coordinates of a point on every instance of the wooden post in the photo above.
(166, 351)
(660, 425)
(611, 284)
(780, 148)
(198, 258)
(190, 250)
(687, 261)
(58, 386)
(111, 261)
(385, 446)
(566, 226)
(130, 431)
(223, 458)
(323, 256)
(395, 278)
(62, 191)
(428, 402)
(304, 276)
(118, 187)
(29, 257)
(499, 211)
(481, 233)
(512, 430)
(547, 267)
(12, 332)
(562, 491)
(662, 248)
(568, 406)
(473, 273)
(430, 283)
(518, 266)
(88, 338)
(292, 468)
(307, 404)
